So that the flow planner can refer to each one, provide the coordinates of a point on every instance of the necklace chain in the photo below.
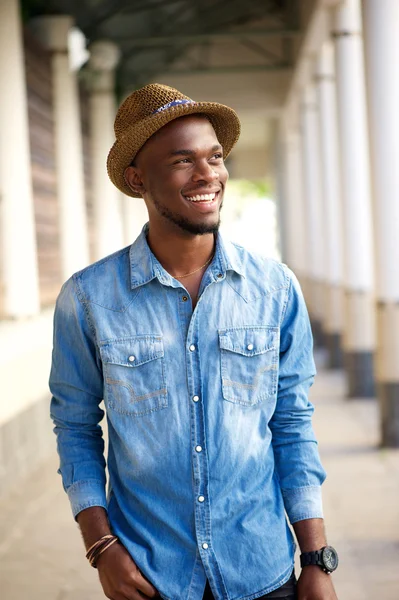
(196, 270)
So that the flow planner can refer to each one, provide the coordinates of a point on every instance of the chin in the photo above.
(200, 228)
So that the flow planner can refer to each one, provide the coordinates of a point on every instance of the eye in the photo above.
(218, 155)
(182, 160)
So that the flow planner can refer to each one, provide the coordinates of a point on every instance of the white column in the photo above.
(53, 32)
(331, 186)
(280, 191)
(107, 199)
(134, 216)
(17, 220)
(294, 210)
(359, 340)
(381, 28)
(313, 202)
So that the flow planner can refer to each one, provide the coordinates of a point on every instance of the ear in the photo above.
(134, 181)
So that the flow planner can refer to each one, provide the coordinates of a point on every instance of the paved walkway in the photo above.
(42, 555)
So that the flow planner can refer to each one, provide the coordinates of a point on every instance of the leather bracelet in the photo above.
(99, 547)
(95, 558)
(107, 536)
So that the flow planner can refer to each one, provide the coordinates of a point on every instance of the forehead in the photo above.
(190, 131)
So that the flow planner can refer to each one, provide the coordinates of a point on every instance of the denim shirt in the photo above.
(211, 444)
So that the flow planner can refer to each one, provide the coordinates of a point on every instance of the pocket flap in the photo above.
(249, 341)
(133, 351)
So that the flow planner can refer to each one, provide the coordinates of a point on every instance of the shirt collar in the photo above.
(144, 266)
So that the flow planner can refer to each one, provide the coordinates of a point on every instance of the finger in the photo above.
(134, 595)
(144, 586)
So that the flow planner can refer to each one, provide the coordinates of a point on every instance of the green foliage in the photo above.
(255, 188)
(242, 192)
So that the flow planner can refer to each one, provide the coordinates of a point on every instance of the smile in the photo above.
(205, 198)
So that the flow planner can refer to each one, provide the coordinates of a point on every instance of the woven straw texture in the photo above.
(136, 122)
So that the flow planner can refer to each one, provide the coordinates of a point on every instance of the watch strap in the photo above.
(312, 558)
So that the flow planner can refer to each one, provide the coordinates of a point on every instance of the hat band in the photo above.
(170, 104)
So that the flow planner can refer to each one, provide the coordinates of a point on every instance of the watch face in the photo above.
(330, 558)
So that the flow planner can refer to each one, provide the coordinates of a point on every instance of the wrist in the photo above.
(104, 556)
(99, 547)
(325, 558)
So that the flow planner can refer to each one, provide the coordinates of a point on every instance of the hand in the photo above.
(120, 577)
(314, 584)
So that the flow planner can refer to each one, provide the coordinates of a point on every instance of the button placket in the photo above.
(197, 432)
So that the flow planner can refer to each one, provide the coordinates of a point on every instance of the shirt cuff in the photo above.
(86, 493)
(303, 503)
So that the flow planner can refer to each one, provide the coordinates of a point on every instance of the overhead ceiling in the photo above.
(176, 38)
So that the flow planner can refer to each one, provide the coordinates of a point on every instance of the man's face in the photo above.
(177, 167)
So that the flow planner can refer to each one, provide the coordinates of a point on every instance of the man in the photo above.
(202, 353)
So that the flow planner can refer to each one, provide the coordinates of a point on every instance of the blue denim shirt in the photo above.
(210, 435)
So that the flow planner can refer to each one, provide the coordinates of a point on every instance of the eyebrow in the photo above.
(184, 152)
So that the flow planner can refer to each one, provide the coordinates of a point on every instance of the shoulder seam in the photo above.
(83, 302)
(100, 262)
(288, 279)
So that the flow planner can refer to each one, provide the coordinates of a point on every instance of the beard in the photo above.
(184, 223)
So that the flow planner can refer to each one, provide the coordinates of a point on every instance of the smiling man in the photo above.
(202, 352)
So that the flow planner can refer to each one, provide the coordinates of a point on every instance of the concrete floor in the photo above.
(42, 554)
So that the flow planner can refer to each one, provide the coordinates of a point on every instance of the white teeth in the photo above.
(201, 198)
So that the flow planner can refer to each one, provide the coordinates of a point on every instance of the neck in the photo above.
(180, 253)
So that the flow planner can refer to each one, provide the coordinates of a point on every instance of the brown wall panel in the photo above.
(85, 120)
(41, 132)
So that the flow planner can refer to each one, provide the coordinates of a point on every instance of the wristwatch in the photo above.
(326, 558)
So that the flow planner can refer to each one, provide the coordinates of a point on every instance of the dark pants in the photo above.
(285, 592)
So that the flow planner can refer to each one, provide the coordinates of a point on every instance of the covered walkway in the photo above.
(42, 554)
(313, 84)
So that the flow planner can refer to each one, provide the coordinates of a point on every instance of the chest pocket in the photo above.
(134, 374)
(249, 363)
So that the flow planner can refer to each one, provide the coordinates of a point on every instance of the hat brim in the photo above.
(223, 118)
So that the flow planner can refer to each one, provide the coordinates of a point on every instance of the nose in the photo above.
(204, 172)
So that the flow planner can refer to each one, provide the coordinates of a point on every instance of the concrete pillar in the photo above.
(134, 216)
(107, 199)
(313, 201)
(331, 180)
(53, 32)
(17, 220)
(359, 340)
(280, 189)
(381, 29)
(294, 216)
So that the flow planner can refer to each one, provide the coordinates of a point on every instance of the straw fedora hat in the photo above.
(148, 109)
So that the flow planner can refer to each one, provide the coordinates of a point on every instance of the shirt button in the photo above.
(192, 347)
(132, 358)
(184, 298)
(201, 498)
(195, 398)
(198, 448)
(250, 346)
(205, 546)
(220, 275)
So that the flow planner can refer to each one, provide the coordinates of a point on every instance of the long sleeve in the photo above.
(76, 384)
(295, 447)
